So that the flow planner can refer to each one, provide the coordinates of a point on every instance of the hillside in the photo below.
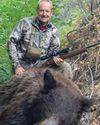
(86, 66)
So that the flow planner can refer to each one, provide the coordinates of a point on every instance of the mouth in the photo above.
(44, 17)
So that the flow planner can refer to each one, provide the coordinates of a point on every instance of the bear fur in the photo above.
(41, 96)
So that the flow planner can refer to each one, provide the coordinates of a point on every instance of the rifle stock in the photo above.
(68, 55)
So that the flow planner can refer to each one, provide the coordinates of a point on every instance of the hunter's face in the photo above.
(44, 12)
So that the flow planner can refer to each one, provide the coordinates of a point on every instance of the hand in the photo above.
(58, 60)
(19, 70)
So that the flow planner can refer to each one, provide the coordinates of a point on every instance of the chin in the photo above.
(44, 21)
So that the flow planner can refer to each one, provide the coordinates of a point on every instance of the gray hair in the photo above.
(49, 1)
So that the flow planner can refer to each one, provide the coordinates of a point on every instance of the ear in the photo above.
(49, 81)
(86, 103)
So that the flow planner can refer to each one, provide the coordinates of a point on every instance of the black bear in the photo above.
(41, 97)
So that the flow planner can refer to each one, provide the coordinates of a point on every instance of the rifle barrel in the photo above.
(93, 44)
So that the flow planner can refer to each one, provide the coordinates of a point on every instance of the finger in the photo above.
(58, 61)
(20, 70)
(61, 60)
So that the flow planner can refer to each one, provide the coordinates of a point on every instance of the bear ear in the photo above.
(49, 81)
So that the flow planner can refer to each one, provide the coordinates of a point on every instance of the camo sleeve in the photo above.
(13, 43)
(55, 41)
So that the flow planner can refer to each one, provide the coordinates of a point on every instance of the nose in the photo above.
(44, 13)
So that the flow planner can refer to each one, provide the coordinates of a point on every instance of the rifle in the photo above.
(65, 53)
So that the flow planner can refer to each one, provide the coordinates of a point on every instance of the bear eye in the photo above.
(62, 122)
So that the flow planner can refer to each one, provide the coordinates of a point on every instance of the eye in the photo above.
(62, 122)
(41, 10)
(47, 11)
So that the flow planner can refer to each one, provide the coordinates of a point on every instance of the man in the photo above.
(37, 33)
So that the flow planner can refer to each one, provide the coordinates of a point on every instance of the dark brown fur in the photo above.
(37, 82)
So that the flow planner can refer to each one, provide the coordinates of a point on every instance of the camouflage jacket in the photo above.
(47, 40)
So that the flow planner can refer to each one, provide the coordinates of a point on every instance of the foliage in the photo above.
(66, 15)
(10, 12)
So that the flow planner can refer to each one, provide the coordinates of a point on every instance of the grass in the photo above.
(11, 11)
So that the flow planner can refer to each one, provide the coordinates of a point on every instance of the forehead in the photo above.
(45, 5)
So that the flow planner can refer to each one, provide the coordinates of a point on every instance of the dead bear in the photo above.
(41, 97)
